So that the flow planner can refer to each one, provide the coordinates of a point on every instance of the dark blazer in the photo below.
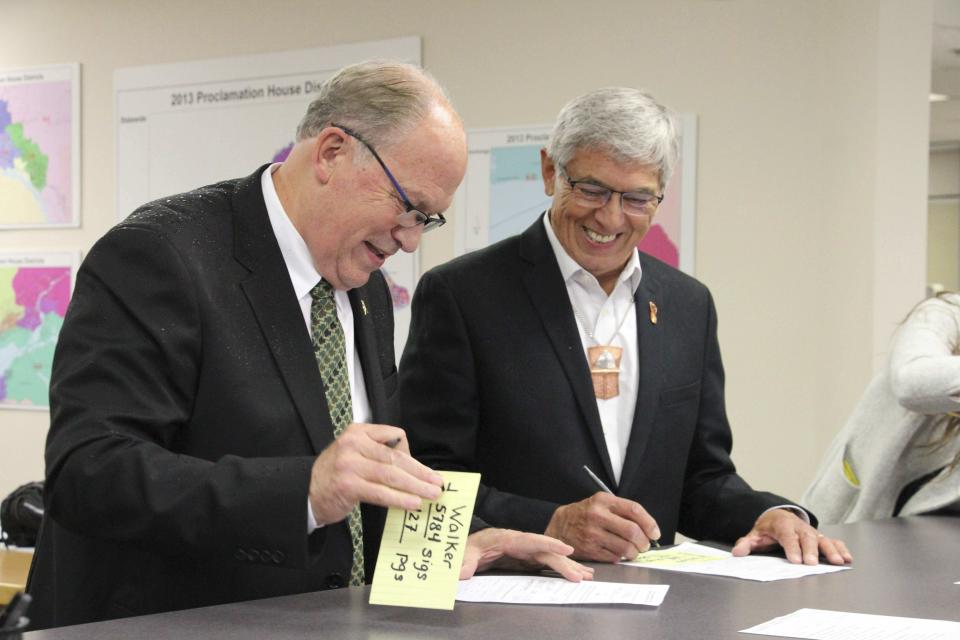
(186, 412)
(494, 379)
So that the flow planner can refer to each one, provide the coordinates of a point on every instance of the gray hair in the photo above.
(627, 123)
(382, 100)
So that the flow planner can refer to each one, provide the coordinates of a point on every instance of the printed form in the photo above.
(544, 590)
(820, 624)
(689, 557)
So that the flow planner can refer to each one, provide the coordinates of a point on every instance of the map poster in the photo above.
(40, 147)
(34, 292)
(503, 193)
(180, 126)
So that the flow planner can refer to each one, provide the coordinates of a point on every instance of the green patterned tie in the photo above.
(331, 353)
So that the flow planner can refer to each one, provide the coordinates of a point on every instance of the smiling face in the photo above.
(599, 239)
(351, 225)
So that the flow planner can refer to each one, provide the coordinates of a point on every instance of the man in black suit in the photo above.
(224, 383)
(564, 348)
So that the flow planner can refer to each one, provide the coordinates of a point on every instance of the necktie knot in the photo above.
(322, 292)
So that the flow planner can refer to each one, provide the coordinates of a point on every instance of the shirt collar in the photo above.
(303, 275)
(572, 271)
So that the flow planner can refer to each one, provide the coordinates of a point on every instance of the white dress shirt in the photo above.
(304, 277)
(613, 321)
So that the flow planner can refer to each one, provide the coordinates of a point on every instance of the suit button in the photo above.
(335, 581)
(242, 555)
(278, 557)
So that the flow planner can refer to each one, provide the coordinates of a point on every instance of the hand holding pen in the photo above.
(604, 527)
(600, 485)
(369, 463)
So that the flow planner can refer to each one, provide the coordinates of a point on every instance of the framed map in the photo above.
(35, 289)
(40, 147)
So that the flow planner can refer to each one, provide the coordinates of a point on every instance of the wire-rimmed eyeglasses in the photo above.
(411, 216)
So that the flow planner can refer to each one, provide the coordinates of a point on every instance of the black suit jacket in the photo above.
(494, 379)
(186, 412)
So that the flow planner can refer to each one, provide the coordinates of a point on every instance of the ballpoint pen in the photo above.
(597, 481)
(10, 617)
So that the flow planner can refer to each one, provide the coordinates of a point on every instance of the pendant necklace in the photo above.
(604, 359)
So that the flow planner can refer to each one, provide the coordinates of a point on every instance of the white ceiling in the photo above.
(945, 79)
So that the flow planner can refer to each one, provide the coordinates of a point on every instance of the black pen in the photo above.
(392, 443)
(10, 618)
(597, 481)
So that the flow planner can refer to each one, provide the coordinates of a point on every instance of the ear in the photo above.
(330, 150)
(549, 172)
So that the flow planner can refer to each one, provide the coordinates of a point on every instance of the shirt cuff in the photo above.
(800, 513)
(312, 524)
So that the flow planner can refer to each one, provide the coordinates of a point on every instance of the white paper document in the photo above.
(690, 557)
(820, 624)
(543, 590)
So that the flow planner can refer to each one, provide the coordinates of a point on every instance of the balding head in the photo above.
(385, 100)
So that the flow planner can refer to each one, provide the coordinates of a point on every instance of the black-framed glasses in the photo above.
(592, 194)
(411, 216)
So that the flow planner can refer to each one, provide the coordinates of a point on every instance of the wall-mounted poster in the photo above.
(34, 292)
(503, 194)
(180, 126)
(40, 147)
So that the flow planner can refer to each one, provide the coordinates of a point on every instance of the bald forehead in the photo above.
(434, 158)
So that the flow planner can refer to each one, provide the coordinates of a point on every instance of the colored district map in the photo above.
(35, 154)
(516, 190)
(33, 301)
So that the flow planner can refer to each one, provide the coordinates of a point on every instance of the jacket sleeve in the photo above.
(924, 362)
(125, 378)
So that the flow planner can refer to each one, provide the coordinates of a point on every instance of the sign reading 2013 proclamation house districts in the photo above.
(40, 147)
(503, 193)
(181, 126)
(34, 292)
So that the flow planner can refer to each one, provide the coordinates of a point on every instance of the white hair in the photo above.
(381, 100)
(626, 123)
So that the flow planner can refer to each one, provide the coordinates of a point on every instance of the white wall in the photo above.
(813, 150)
(943, 233)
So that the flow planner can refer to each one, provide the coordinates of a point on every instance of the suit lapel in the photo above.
(545, 286)
(366, 343)
(272, 300)
(650, 362)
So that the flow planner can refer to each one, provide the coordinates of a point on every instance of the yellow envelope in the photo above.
(421, 551)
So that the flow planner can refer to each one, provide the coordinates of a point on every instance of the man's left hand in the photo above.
(516, 550)
(800, 541)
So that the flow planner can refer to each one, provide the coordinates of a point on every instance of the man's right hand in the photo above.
(359, 466)
(604, 528)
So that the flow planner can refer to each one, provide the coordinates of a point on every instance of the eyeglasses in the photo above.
(633, 203)
(411, 216)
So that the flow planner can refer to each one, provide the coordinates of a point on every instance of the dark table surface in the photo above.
(903, 567)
